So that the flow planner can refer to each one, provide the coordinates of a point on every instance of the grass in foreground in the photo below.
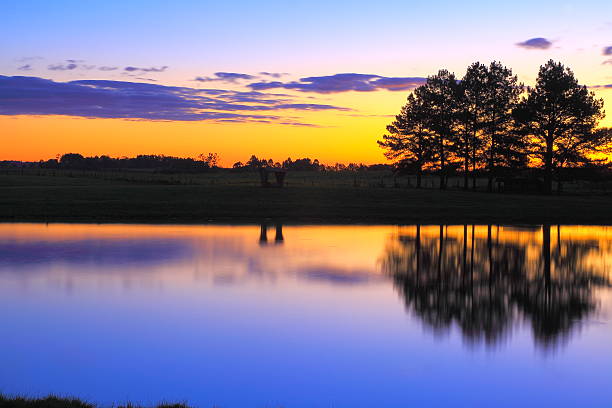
(64, 199)
(58, 402)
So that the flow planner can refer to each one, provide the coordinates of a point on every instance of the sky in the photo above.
(317, 79)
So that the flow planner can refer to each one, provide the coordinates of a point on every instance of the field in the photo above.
(62, 402)
(310, 197)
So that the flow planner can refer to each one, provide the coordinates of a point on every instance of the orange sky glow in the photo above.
(342, 137)
(184, 52)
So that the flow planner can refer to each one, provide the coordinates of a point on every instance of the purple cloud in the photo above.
(26, 67)
(538, 43)
(273, 74)
(63, 67)
(399, 84)
(344, 83)
(107, 68)
(150, 69)
(71, 65)
(21, 95)
(607, 51)
(230, 77)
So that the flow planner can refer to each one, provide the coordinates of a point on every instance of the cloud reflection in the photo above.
(18, 255)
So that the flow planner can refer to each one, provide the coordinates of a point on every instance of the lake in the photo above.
(308, 316)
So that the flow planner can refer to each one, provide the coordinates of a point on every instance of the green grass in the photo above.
(219, 177)
(309, 198)
(59, 402)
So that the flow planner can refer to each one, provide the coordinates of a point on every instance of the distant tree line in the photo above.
(305, 164)
(76, 161)
(170, 164)
(489, 122)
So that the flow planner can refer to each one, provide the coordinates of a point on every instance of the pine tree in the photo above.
(408, 142)
(439, 98)
(559, 116)
(501, 95)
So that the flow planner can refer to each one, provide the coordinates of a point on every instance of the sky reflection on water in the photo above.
(343, 316)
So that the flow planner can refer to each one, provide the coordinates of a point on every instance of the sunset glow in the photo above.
(305, 204)
(268, 72)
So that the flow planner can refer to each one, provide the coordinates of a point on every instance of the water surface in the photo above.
(308, 316)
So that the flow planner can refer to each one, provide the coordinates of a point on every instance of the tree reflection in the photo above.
(486, 279)
(263, 234)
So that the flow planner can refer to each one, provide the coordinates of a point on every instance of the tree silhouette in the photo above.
(211, 159)
(479, 122)
(439, 96)
(409, 141)
(472, 90)
(560, 117)
(504, 147)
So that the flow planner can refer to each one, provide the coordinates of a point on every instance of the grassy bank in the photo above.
(57, 402)
(66, 198)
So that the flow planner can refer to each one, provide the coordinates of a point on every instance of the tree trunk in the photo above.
(466, 168)
(418, 177)
(491, 165)
(548, 165)
(442, 165)
(474, 161)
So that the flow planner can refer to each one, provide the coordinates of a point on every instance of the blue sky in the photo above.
(302, 37)
(173, 43)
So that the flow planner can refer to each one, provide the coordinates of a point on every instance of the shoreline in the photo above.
(319, 200)
(132, 204)
(53, 401)
(293, 223)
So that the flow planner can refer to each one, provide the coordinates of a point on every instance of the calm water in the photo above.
(302, 316)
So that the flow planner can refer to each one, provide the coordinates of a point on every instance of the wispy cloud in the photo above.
(229, 77)
(344, 83)
(133, 100)
(63, 67)
(607, 51)
(273, 74)
(70, 65)
(537, 43)
(74, 64)
(236, 77)
(26, 67)
(149, 69)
